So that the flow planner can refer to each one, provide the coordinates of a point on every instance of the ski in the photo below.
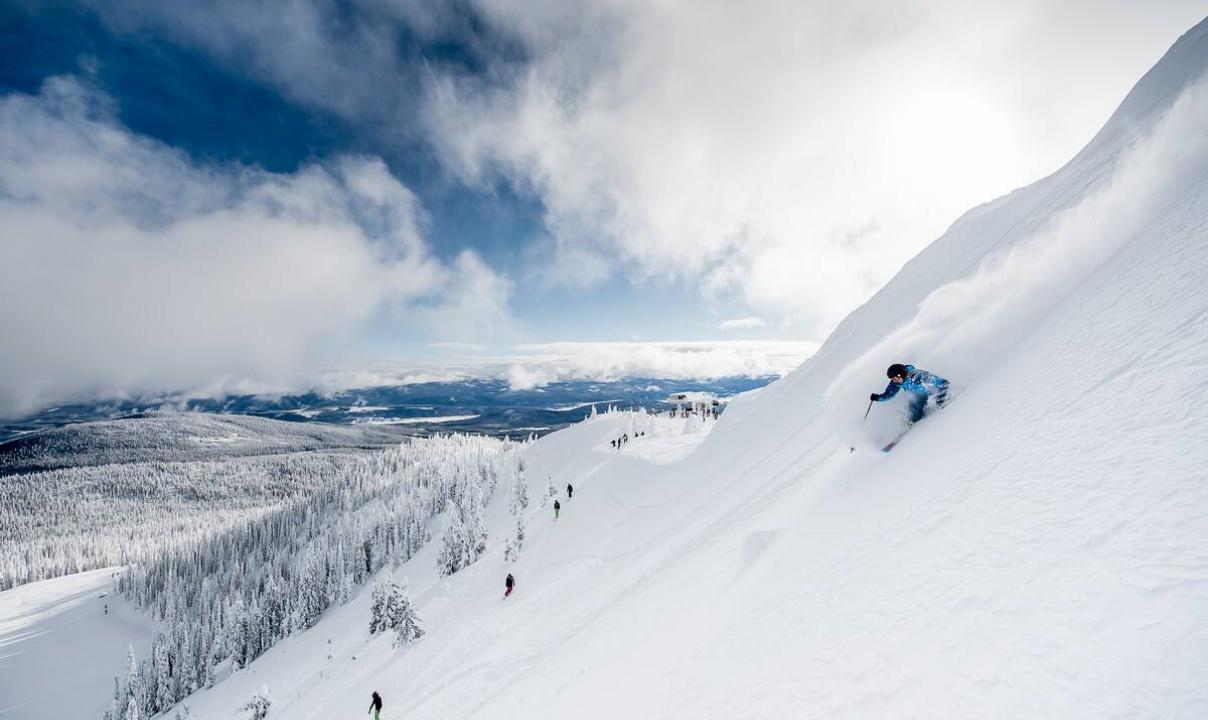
(931, 410)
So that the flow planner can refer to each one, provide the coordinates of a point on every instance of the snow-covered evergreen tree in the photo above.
(409, 628)
(165, 692)
(519, 502)
(134, 687)
(515, 544)
(238, 592)
(391, 609)
(454, 550)
(377, 609)
(476, 525)
(272, 614)
(257, 707)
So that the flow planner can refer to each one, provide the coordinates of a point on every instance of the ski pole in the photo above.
(870, 402)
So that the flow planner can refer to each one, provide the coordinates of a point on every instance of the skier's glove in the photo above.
(874, 397)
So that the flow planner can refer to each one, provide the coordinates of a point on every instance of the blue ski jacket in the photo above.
(918, 382)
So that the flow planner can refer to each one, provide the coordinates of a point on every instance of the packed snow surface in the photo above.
(60, 648)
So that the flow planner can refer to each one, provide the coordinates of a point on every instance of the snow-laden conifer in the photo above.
(229, 593)
(409, 628)
(257, 708)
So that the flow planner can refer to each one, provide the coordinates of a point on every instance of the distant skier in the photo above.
(375, 706)
(509, 584)
(557, 509)
(570, 491)
(919, 383)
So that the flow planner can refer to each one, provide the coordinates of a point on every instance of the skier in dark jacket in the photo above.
(557, 509)
(509, 584)
(920, 384)
(570, 491)
(375, 706)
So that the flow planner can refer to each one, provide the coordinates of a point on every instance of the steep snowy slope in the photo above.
(1038, 549)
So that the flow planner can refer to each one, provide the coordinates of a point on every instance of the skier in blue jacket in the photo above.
(919, 383)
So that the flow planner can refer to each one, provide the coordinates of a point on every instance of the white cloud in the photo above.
(466, 347)
(1014, 287)
(541, 364)
(793, 154)
(788, 154)
(474, 305)
(126, 267)
(746, 323)
(535, 365)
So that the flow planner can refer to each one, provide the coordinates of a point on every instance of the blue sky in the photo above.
(430, 181)
(185, 97)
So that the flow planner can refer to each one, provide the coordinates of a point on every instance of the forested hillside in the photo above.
(223, 602)
(173, 436)
(108, 493)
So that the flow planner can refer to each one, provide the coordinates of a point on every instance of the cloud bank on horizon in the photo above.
(780, 160)
(531, 365)
(127, 267)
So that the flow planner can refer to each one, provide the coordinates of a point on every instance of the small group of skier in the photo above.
(570, 493)
(919, 384)
(510, 582)
(624, 439)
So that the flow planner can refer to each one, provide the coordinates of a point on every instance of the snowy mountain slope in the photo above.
(1035, 550)
(322, 671)
(60, 642)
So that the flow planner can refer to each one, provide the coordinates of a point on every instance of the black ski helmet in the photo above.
(896, 370)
